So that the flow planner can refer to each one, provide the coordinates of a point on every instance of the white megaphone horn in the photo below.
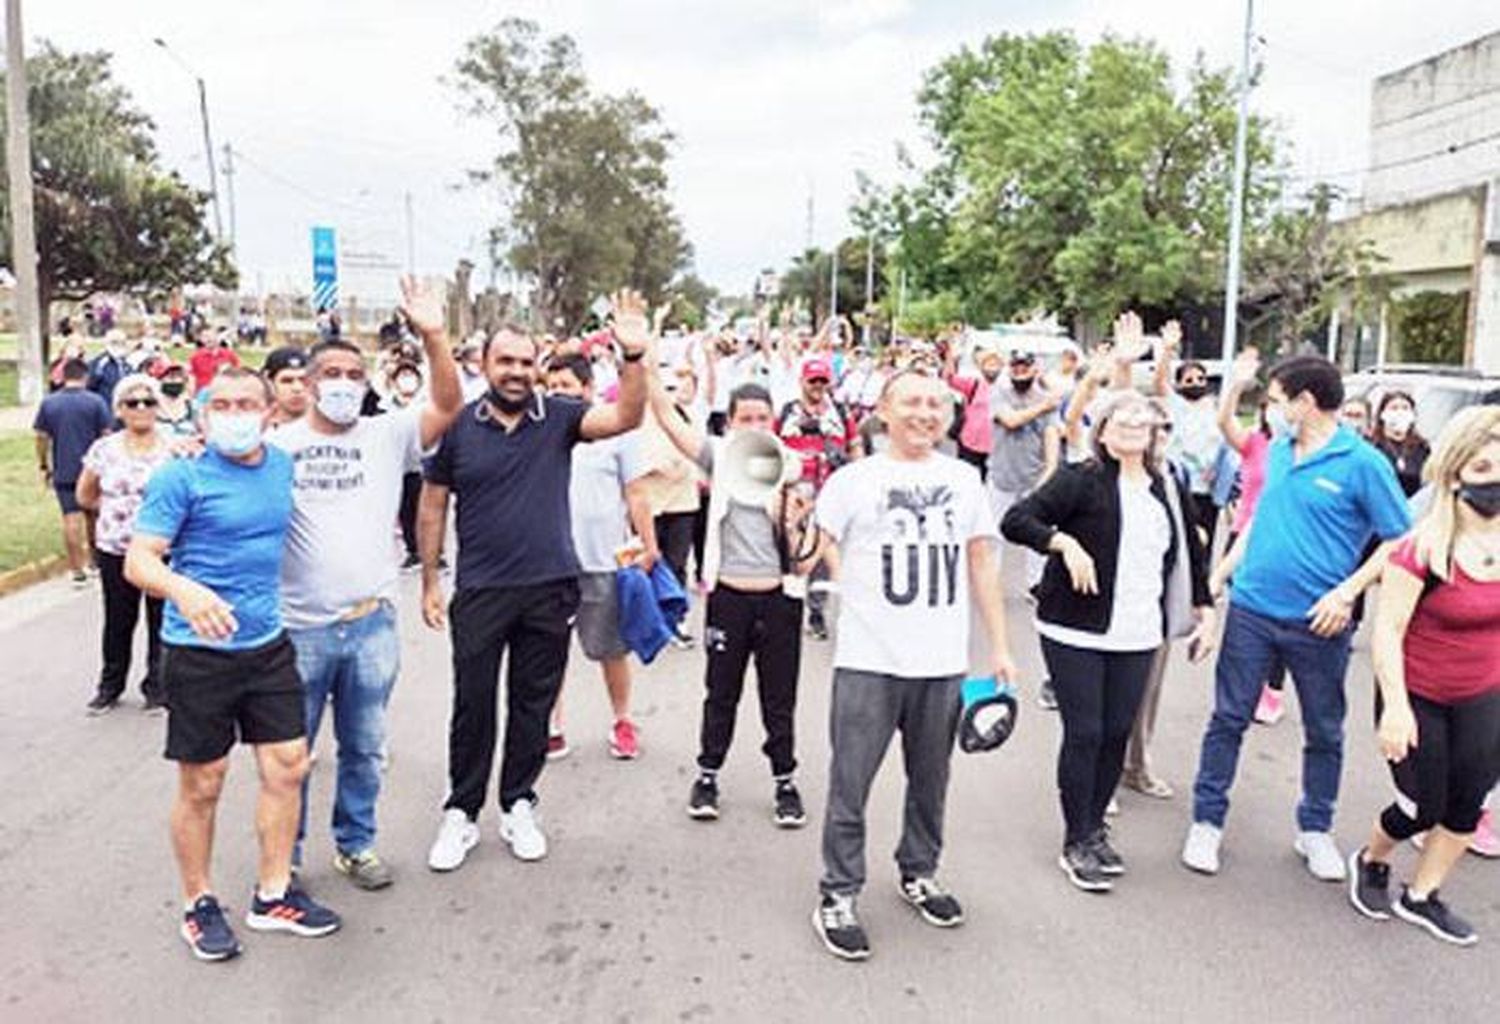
(757, 466)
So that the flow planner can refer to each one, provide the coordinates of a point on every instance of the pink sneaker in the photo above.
(1270, 709)
(1485, 842)
(624, 744)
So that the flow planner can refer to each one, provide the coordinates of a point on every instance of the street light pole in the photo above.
(208, 141)
(1237, 210)
(22, 213)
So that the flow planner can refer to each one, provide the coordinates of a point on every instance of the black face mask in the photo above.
(1482, 498)
(1193, 392)
(173, 388)
(506, 405)
(1022, 384)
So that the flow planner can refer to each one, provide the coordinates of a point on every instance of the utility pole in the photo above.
(411, 238)
(1237, 210)
(229, 188)
(22, 213)
(208, 142)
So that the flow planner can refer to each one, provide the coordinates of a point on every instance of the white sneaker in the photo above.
(1201, 849)
(1322, 856)
(522, 831)
(457, 835)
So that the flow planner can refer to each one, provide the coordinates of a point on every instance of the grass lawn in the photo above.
(32, 525)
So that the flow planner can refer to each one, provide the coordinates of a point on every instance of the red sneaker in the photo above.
(557, 746)
(624, 744)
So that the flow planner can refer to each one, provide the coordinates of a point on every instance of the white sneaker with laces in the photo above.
(1201, 849)
(1322, 856)
(457, 835)
(520, 828)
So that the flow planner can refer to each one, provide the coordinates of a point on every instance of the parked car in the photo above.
(1439, 391)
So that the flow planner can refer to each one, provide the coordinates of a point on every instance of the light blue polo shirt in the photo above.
(1313, 523)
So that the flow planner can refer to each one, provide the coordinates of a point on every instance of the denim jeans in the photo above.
(353, 664)
(1251, 643)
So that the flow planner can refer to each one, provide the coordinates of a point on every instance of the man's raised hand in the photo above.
(423, 306)
(630, 326)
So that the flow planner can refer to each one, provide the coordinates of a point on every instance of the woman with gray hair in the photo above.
(112, 484)
(1125, 571)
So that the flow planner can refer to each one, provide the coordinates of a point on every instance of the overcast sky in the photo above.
(338, 109)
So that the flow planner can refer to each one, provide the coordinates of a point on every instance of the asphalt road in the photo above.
(640, 914)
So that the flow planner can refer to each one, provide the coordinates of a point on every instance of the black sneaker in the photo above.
(294, 912)
(682, 640)
(1110, 862)
(936, 904)
(1046, 696)
(789, 810)
(1433, 914)
(1081, 864)
(838, 926)
(154, 704)
(1370, 886)
(102, 705)
(817, 625)
(206, 932)
(703, 801)
(411, 563)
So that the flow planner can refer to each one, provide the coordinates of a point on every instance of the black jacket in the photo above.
(1083, 501)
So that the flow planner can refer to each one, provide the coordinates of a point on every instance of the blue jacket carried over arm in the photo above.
(650, 608)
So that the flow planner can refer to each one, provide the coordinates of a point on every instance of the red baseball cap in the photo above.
(817, 368)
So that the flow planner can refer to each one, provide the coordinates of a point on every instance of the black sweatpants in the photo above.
(674, 535)
(1454, 767)
(742, 624)
(122, 610)
(531, 626)
(411, 490)
(1098, 694)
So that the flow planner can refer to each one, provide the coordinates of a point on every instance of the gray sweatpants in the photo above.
(867, 710)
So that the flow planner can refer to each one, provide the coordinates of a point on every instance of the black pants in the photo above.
(1098, 694)
(530, 625)
(411, 490)
(979, 460)
(674, 535)
(1206, 517)
(1455, 765)
(700, 536)
(768, 626)
(122, 610)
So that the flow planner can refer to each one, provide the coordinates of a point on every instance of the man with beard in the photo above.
(508, 458)
(1022, 408)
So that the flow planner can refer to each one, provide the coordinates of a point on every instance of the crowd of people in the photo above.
(263, 520)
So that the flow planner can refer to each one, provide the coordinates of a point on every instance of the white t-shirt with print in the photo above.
(903, 530)
(346, 497)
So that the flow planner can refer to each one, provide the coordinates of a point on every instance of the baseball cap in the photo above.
(817, 368)
(1022, 355)
(161, 367)
(287, 358)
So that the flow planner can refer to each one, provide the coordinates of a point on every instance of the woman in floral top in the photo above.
(113, 482)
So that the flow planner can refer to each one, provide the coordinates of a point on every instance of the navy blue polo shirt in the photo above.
(514, 527)
(1314, 521)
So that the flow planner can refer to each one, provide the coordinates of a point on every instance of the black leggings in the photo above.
(1098, 694)
(1452, 770)
(674, 535)
(411, 491)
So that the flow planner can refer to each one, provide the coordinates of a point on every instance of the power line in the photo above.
(1448, 150)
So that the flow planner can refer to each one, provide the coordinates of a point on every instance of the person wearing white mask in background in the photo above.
(1398, 439)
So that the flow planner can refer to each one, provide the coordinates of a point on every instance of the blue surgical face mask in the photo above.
(234, 433)
(340, 400)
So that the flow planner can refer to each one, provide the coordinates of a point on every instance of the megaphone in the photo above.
(989, 714)
(756, 466)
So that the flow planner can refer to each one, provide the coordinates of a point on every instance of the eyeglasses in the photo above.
(138, 403)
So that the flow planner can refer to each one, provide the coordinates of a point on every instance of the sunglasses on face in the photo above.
(139, 403)
(823, 381)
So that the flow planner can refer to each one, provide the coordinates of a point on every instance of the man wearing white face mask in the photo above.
(340, 569)
(227, 666)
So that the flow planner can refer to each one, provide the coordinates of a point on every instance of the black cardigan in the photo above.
(1083, 501)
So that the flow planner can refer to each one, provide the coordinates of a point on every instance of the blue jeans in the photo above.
(1317, 665)
(354, 664)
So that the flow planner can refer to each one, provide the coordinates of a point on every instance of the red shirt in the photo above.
(207, 361)
(1452, 646)
(822, 447)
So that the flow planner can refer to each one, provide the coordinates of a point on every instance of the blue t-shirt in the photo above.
(1314, 521)
(514, 526)
(227, 522)
(74, 418)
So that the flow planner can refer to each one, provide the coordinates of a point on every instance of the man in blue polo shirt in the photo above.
(1327, 493)
(227, 665)
(508, 458)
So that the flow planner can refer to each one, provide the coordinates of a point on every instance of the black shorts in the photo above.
(67, 498)
(211, 693)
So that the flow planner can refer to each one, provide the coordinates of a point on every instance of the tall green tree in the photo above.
(109, 218)
(583, 174)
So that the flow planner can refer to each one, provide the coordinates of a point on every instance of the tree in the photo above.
(1429, 327)
(1300, 264)
(109, 219)
(584, 174)
(692, 299)
(1073, 180)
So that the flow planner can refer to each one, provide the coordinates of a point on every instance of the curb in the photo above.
(31, 573)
